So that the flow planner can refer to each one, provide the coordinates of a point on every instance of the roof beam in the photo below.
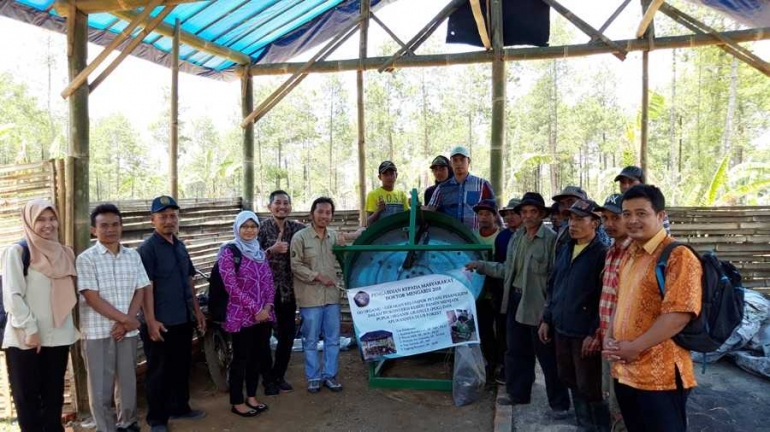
(517, 54)
(191, 40)
(125, 34)
(649, 14)
(586, 28)
(97, 6)
(730, 46)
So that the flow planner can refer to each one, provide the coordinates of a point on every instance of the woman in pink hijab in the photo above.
(39, 301)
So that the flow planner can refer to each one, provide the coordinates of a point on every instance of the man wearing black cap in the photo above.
(525, 273)
(631, 176)
(442, 171)
(568, 196)
(571, 316)
(169, 313)
(613, 223)
(385, 201)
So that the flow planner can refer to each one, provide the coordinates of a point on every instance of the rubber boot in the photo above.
(582, 412)
(600, 416)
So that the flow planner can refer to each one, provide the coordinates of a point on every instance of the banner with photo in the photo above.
(414, 316)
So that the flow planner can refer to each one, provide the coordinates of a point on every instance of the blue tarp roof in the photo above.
(266, 30)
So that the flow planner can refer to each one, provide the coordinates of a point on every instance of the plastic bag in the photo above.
(469, 375)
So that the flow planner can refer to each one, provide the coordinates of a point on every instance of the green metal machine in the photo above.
(407, 245)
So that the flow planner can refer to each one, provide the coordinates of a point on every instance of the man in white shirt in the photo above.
(111, 278)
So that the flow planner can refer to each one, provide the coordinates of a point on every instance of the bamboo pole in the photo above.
(125, 52)
(173, 148)
(612, 17)
(423, 34)
(125, 34)
(61, 196)
(77, 41)
(193, 41)
(361, 113)
(649, 14)
(390, 32)
(730, 46)
(299, 75)
(481, 25)
(586, 28)
(515, 54)
(498, 100)
(650, 35)
(247, 106)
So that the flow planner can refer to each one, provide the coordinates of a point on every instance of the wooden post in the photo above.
(77, 56)
(173, 148)
(247, 106)
(60, 186)
(362, 44)
(650, 35)
(498, 100)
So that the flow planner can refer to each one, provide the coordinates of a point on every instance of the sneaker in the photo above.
(189, 415)
(333, 385)
(314, 386)
(271, 389)
(284, 386)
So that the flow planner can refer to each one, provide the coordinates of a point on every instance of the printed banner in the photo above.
(414, 316)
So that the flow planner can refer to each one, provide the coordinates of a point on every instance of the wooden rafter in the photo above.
(516, 54)
(390, 32)
(193, 41)
(423, 34)
(612, 17)
(98, 6)
(299, 75)
(152, 25)
(730, 46)
(82, 77)
(649, 14)
(586, 28)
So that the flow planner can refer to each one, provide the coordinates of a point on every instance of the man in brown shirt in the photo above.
(653, 375)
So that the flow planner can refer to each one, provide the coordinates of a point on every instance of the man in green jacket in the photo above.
(525, 274)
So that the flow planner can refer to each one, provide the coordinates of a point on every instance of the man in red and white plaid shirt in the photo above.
(616, 229)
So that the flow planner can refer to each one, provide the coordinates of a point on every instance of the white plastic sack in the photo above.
(761, 340)
(469, 376)
(757, 364)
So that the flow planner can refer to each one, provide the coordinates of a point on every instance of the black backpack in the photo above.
(722, 302)
(218, 296)
(25, 263)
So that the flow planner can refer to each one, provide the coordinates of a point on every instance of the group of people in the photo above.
(269, 269)
(550, 296)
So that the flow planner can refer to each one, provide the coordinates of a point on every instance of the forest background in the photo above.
(572, 121)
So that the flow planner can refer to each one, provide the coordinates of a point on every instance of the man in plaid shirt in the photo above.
(457, 196)
(111, 279)
(616, 229)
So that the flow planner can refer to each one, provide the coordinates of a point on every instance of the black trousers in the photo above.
(523, 348)
(251, 351)
(285, 331)
(500, 325)
(658, 411)
(37, 386)
(581, 374)
(485, 313)
(168, 372)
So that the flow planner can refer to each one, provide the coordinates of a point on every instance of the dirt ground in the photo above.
(356, 408)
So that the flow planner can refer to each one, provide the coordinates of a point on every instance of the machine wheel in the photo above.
(218, 349)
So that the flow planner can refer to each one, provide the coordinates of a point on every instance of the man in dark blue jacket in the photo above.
(572, 314)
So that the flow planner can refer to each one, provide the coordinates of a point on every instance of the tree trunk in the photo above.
(553, 128)
(727, 136)
(672, 151)
(331, 135)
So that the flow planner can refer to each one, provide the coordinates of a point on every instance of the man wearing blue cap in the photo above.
(170, 313)
(457, 196)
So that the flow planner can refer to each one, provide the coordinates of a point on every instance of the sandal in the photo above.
(250, 413)
(259, 408)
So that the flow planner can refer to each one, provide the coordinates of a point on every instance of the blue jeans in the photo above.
(316, 320)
